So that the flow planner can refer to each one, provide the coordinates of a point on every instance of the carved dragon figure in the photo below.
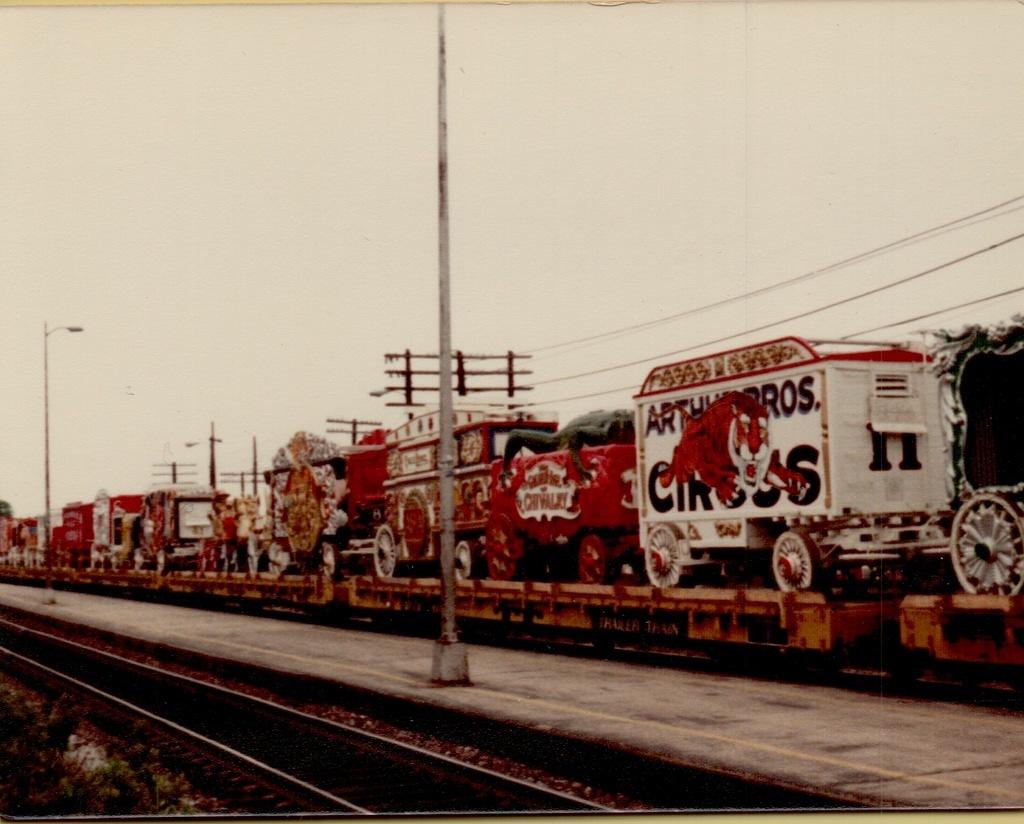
(593, 429)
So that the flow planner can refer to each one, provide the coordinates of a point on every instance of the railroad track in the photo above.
(226, 782)
(275, 758)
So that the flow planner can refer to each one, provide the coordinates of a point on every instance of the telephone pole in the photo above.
(176, 469)
(352, 427)
(214, 440)
(243, 474)
(464, 372)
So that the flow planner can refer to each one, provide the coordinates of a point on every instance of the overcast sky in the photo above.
(239, 203)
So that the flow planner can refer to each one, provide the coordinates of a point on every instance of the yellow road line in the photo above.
(755, 745)
(898, 705)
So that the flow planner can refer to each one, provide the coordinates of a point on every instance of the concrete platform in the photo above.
(879, 750)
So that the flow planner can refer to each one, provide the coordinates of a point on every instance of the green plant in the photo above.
(39, 775)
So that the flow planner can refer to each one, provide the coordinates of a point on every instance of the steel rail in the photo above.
(488, 789)
(184, 732)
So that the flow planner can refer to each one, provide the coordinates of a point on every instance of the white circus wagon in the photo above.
(825, 464)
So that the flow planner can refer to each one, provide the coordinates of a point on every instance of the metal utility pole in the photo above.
(450, 663)
(48, 596)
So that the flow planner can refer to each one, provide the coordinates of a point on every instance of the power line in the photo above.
(621, 333)
(914, 319)
(631, 388)
(925, 234)
(936, 312)
(798, 316)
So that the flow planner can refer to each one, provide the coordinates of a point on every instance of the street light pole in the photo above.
(48, 596)
(450, 664)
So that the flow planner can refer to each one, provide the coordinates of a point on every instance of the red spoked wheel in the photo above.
(503, 547)
(593, 560)
(796, 561)
(665, 555)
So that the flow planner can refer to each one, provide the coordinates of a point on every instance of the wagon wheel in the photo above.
(664, 555)
(463, 561)
(504, 548)
(796, 561)
(987, 545)
(593, 560)
(385, 552)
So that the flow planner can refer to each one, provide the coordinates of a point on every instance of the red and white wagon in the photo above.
(817, 460)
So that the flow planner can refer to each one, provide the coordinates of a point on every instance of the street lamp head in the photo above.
(191, 443)
(48, 331)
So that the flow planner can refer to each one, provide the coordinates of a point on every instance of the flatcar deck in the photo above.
(866, 749)
(662, 617)
(299, 590)
(965, 629)
(633, 614)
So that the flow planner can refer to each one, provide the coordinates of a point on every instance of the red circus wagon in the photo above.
(6, 539)
(111, 541)
(567, 512)
(72, 545)
(411, 537)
